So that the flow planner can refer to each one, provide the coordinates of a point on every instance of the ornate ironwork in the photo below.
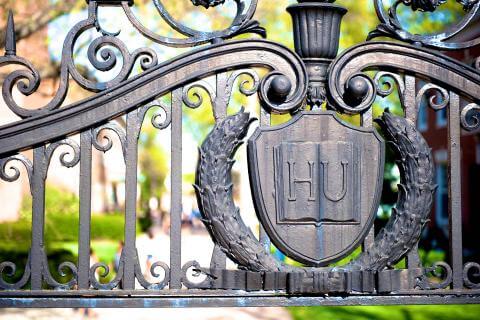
(390, 25)
(336, 185)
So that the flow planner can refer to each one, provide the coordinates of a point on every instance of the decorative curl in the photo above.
(279, 101)
(437, 97)
(162, 118)
(74, 152)
(101, 133)
(63, 270)
(9, 164)
(197, 272)
(247, 86)
(391, 26)
(8, 269)
(352, 99)
(440, 270)
(106, 271)
(28, 80)
(471, 270)
(148, 285)
(105, 45)
(385, 83)
(197, 101)
(470, 117)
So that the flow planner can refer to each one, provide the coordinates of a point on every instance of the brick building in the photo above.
(433, 125)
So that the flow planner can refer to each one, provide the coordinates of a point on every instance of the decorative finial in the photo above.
(10, 41)
(207, 3)
(424, 5)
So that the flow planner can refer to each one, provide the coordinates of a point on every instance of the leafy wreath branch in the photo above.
(225, 225)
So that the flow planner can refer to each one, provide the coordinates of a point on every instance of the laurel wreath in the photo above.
(223, 220)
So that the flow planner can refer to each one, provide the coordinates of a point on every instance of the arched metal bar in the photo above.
(395, 57)
(159, 80)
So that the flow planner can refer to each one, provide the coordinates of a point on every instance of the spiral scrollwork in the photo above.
(161, 118)
(104, 47)
(27, 81)
(68, 158)
(391, 25)
(470, 117)
(275, 93)
(196, 100)
(9, 172)
(471, 271)
(241, 23)
(102, 141)
(247, 87)
(94, 271)
(8, 269)
(437, 97)
(64, 269)
(440, 270)
(197, 272)
(355, 97)
(101, 54)
(153, 286)
(385, 83)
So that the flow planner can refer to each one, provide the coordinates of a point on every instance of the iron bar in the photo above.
(366, 120)
(176, 191)
(38, 217)
(455, 191)
(234, 300)
(131, 160)
(85, 209)
(265, 120)
(319, 224)
(410, 106)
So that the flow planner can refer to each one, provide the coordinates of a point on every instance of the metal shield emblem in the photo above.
(316, 184)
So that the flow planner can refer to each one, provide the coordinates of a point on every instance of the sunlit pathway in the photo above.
(147, 314)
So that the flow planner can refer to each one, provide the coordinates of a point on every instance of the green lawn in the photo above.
(442, 312)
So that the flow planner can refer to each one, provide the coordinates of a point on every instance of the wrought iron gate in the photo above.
(310, 216)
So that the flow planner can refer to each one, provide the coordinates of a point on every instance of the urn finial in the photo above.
(316, 35)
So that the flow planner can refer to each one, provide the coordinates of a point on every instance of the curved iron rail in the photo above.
(348, 68)
(159, 80)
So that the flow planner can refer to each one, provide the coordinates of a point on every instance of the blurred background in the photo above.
(41, 27)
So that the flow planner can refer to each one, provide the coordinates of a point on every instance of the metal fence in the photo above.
(306, 82)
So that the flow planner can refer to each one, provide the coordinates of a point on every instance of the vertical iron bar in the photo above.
(85, 209)
(366, 120)
(219, 258)
(265, 120)
(131, 159)
(411, 113)
(221, 102)
(409, 98)
(38, 217)
(176, 191)
(455, 191)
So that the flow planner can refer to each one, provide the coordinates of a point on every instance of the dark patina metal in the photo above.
(320, 172)
(315, 179)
